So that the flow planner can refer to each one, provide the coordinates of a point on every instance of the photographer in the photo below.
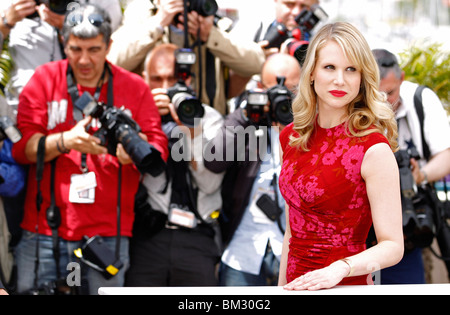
(149, 23)
(177, 247)
(252, 220)
(87, 185)
(271, 36)
(288, 33)
(12, 182)
(434, 160)
(34, 29)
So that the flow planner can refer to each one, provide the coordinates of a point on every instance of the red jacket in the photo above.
(46, 107)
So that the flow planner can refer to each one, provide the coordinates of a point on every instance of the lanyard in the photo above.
(74, 93)
(72, 88)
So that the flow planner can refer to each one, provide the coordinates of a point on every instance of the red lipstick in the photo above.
(338, 93)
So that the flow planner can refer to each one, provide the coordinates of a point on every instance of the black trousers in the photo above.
(173, 257)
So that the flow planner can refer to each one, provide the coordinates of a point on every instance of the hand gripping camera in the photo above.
(280, 99)
(187, 105)
(298, 38)
(119, 127)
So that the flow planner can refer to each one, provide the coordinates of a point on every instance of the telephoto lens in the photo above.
(187, 105)
(204, 7)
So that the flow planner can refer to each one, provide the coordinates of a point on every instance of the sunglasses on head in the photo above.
(94, 18)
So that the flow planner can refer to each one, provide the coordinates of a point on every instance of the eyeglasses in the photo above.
(76, 19)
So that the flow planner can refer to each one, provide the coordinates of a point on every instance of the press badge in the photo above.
(181, 217)
(82, 188)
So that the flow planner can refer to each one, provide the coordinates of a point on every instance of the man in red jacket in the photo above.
(90, 182)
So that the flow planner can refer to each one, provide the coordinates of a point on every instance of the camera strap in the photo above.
(39, 174)
(442, 226)
(183, 192)
(419, 110)
(53, 214)
(54, 218)
(74, 93)
(78, 115)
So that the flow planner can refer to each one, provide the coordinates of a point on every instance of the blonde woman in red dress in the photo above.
(339, 173)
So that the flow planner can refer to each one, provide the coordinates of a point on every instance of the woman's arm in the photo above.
(287, 236)
(285, 250)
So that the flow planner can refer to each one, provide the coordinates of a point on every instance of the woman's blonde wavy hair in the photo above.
(369, 112)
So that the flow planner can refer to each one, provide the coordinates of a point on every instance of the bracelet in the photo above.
(425, 178)
(62, 148)
(350, 264)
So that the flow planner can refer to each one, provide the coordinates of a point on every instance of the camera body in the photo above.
(255, 102)
(57, 6)
(9, 130)
(187, 105)
(119, 127)
(203, 7)
(298, 38)
(279, 98)
(418, 223)
(97, 255)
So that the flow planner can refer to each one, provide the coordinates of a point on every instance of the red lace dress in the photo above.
(329, 212)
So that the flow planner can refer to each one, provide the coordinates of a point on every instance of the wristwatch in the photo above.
(5, 20)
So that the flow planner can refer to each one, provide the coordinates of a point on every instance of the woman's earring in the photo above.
(312, 82)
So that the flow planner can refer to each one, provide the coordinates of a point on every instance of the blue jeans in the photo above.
(268, 275)
(26, 257)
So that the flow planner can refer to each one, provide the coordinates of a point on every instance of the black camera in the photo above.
(119, 127)
(57, 6)
(9, 130)
(280, 99)
(298, 38)
(97, 255)
(187, 105)
(418, 223)
(203, 7)
(255, 102)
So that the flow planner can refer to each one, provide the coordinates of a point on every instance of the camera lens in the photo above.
(209, 7)
(139, 150)
(283, 113)
(204, 7)
(188, 108)
(59, 6)
(298, 50)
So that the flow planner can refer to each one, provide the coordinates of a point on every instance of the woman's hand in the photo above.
(324, 278)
